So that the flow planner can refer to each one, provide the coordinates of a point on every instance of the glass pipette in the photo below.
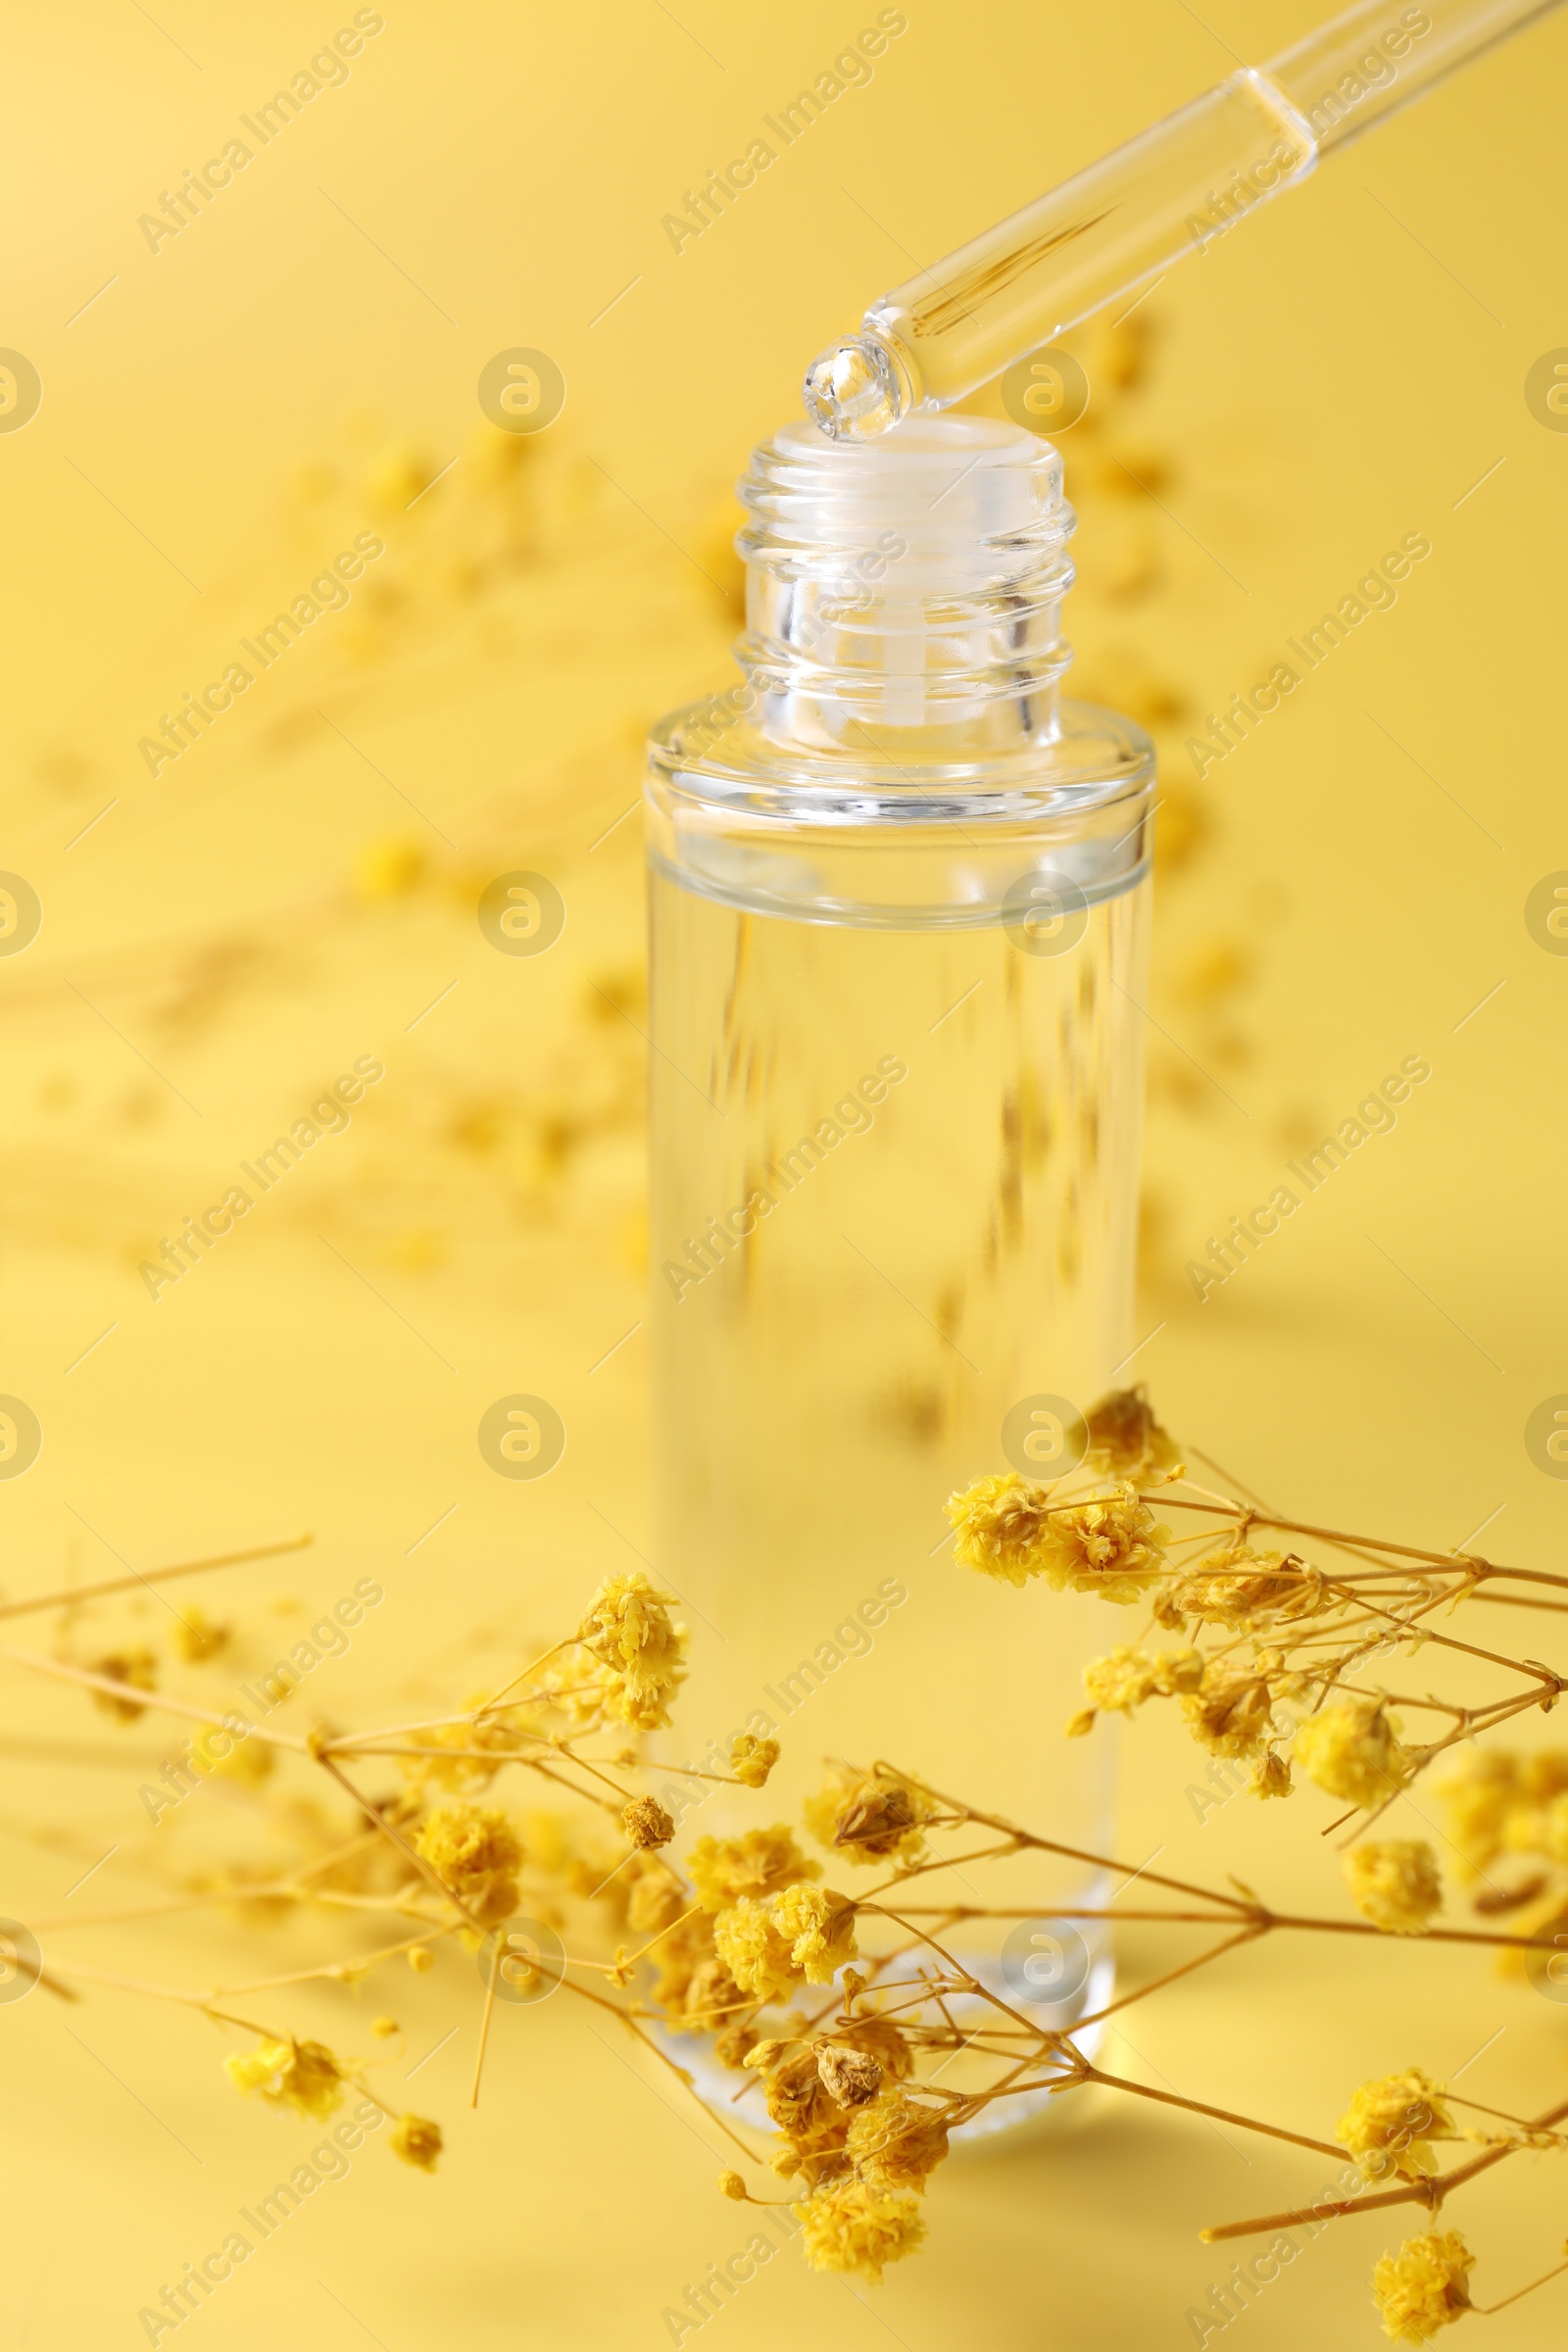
(1113, 230)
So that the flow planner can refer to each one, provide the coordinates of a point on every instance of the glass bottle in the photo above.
(899, 916)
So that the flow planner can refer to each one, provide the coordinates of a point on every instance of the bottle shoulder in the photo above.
(891, 835)
(721, 751)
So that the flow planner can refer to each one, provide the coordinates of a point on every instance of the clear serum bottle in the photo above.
(899, 904)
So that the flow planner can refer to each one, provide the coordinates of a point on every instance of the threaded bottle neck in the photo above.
(910, 585)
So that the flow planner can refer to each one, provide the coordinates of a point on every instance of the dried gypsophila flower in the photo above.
(750, 1759)
(803, 2109)
(1479, 1797)
(999, 1523)
(826, 2161)
(882, 2039)
(1354, 1752)
(1424, 2286)
(898, 2138)
(1396, 1885)
(734, 2046)
(819, 1928)
(1109, 1544)
(710, 1997)
(302, 2075)
(803, 1931)
(474, 1853)
(763, 2056)
(1539, 1829)
(851, 2077)
(1500, 1802)
(1124, 1679)
(1125, 1438)
(757, 1863)
(638, 1651)
(196, 1637)
(137, 1670)
(876, 1824)
(646, 1823)
(1270, 1776)
(750, 1946)
(1243, 1589)
(1232, 1713)
(1389, 2123)
(859, 2226)
(869, 1816)
(416, 2141)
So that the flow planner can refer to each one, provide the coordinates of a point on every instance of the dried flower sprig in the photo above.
(861, 2039)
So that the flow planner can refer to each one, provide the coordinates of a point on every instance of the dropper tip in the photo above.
(853, 390)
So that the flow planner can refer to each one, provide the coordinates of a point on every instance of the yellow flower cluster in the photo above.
(880, 2039)
(196, 1637)
(1397, 1884)
(851, 2076)
(839, 2108)
(805, 1930)
(1122, 1680)
(858, 2226)
(819, 1927)
(646, 1822)
(1354, 1752)
(1389, 2122)
(798, 2099)
(416, 2141)
(1243, 1589)
(1499, 1803)
(302, 2075)
(999, 1523)
(1424, 2286)
(722, 1870)
(750, 1947)
(897, 2141)
(812, 2125)
(1228, 1706)
(473, 1851)
(638, 1652)
(1126, 1440)
(1008, 1528)
(137, 1669)
(752, 1760)
(870, 1817)
(1231, 1711)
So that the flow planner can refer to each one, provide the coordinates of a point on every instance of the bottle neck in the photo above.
(904, 595)
(896, 758)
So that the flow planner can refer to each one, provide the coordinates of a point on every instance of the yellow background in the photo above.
(295, 890)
